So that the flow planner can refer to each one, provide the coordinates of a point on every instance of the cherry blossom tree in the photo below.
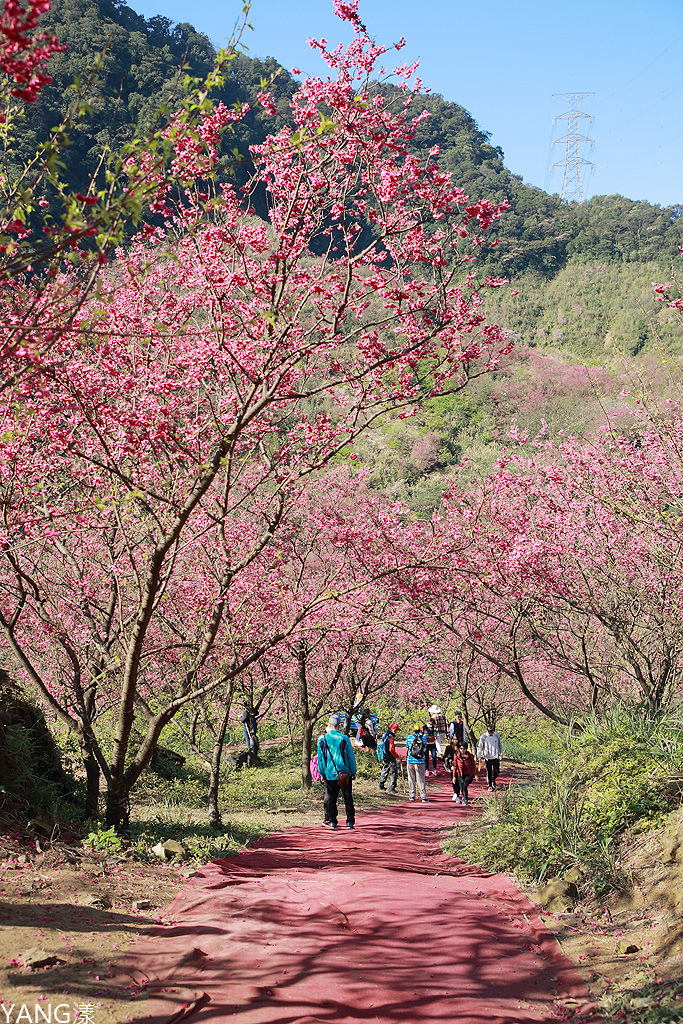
(146, 473)
(567, 571)
(45, 226)
(346, 648)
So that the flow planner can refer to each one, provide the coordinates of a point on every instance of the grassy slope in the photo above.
(609, 806)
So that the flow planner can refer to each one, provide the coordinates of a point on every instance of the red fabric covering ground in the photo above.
(374, 924)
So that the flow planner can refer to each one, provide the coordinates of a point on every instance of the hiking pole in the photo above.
(403, 779)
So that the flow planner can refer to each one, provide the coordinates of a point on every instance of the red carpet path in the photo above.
(376, 925)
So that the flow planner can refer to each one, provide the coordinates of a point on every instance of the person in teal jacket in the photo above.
(415, 763)
(336, 756)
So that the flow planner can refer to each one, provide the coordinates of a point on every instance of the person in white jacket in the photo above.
(490, 750)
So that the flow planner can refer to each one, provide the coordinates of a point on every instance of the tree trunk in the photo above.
(118, 806)
(289, 727)
(92, 785)
(214, 780)
(307, 720)
(120, 783)
(468, 730)
(348, 715)
(307, 753)
(193, 726)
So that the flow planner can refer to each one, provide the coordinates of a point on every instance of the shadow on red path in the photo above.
(374, 924)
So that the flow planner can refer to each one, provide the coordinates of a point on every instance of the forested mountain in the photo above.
(140, 71)
(539, 233)
(580, 274)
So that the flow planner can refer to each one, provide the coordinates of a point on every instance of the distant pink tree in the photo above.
(425, 452)
(565, 567)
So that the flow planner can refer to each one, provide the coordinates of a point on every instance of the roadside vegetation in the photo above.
(600, 780)
(605, 814)
(40, 789)
(606, 789)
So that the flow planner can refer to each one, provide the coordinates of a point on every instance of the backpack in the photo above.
(382, 748)
(417, 747)
(315, 771)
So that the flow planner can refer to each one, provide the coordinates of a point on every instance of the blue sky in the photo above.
(503, 61)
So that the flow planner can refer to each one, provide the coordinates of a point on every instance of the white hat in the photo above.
(434, 710)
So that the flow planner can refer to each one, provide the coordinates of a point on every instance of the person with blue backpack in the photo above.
(416, 749)
(337, 767)
(386, 753)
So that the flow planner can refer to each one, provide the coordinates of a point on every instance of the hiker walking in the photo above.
(249, 720)
(456, 730)
(490, 750)
(440, 726)
(337, 767)
(369, 733)
(465, 770)
(449, 752)
(416, 749)
(387, 749)
(429, 736)
(249, 724)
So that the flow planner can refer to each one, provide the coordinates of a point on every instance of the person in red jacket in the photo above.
(464, 766)
(390, 760)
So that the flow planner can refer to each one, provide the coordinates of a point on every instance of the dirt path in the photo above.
(374, 924)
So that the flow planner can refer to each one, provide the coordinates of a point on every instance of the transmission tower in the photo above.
(572, 185)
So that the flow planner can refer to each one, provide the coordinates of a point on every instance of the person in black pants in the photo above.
(490, 750)
(429, 737)
(337, 766)
(466, 768)
(390, 763)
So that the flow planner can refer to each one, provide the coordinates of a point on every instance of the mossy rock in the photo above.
(31, 772)
(557, 891)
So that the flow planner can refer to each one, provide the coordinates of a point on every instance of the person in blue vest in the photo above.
(389, 759)
(337, 767)
(456, 729)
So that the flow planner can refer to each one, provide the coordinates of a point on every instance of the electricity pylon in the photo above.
(572, 185)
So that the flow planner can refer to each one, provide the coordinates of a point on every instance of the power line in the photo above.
(572, 184)
(641, 70)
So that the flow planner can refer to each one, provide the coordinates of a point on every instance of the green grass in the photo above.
(253, 802)
(529, 751)
(201, 841)
(602, 783)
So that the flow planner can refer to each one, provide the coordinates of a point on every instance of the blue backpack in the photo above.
(383, 747)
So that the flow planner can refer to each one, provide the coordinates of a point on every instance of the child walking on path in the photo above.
(429, 736)
(465, 769)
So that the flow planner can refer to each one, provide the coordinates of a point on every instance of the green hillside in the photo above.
(539, 233)
(582, 272)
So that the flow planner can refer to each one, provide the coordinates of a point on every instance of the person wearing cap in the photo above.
(337, 767)
(440, 726)
(390, 762)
